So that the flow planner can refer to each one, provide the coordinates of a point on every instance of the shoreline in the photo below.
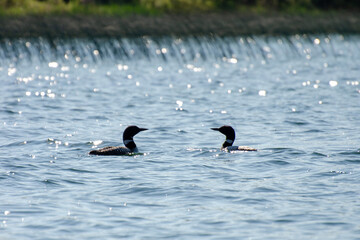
(200, 24)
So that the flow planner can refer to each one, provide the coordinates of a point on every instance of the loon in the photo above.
(130, 146)
(229, 132)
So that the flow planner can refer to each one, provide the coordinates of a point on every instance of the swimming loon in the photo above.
(229, 132)
(130, 146)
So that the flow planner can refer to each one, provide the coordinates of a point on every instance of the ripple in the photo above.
(355, 152)
(123, 179)
(264, 189)
(318, 154)
(278, 162)
(282, 221)
(253, 201)
(291, 151)
(314, 131)
(334, 223)
(356, 161)
(51, 182)
(79, 170)
(329, 174)
(297, 122)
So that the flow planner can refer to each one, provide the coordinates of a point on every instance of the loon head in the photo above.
(229, 132)
(128, 135)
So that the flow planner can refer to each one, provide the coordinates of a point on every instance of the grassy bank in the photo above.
(157, 7)
(209, 24)
(58, 7)
(134, 18)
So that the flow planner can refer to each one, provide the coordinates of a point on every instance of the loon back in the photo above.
(111, 151)
(239, 148)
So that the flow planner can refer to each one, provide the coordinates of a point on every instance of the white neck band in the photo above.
(127, 141)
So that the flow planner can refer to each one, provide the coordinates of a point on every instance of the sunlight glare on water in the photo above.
(294, 98)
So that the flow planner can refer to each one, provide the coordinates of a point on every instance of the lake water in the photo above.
(295, 98)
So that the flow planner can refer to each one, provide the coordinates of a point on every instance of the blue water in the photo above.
(296, 99)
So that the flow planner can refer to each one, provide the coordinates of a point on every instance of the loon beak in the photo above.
(215, 129)
(143, 129)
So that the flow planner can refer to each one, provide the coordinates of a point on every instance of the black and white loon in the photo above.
(229, 132)
(130, 146)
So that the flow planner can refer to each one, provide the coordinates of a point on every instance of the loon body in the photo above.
(229, 132)
(130, 146)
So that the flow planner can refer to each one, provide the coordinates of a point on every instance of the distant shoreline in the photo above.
(207, 24)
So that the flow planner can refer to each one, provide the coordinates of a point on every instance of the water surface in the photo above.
(296, 99)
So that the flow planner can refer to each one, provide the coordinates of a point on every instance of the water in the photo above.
(294, 98)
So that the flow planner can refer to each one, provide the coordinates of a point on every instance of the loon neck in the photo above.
(228, 142)
(130, 144)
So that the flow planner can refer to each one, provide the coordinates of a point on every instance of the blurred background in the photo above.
(151, 6)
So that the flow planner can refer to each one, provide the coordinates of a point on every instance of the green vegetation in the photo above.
(146, 7)
(60, 7)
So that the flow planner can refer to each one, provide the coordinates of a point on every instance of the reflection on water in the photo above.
(183, 50)
(295, 98)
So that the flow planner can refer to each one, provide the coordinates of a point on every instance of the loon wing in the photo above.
(111, 151)
(240, 148)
